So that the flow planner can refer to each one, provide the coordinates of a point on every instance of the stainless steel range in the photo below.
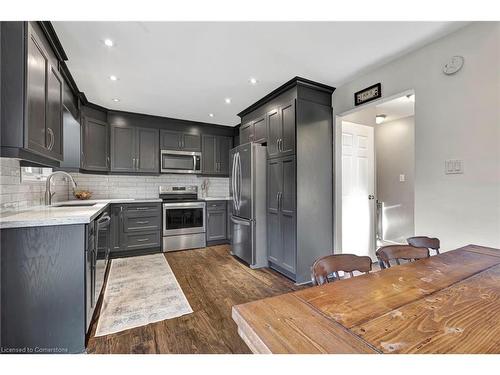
(183, 218)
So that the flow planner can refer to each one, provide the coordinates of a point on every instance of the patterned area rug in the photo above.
(140, 290)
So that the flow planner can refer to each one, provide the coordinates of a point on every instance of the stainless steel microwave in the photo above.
(180, 161)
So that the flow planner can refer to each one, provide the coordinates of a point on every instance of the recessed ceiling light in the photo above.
(228, 100)
(210, 115)
(253, 81)
(116, 99)
(113, 78)
(379, 119)
(108, 43)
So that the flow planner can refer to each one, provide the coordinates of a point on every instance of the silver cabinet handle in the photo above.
(143, 222)
(280, 194)
(52, 139)
(142, 240)
(137, 163)
(142, 208)
(107, 161)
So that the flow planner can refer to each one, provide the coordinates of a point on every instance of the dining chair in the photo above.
(398, 253)
(333, 264)
(424, 241)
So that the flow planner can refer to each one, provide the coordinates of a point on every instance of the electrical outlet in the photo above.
(402, 178)
(454, 166)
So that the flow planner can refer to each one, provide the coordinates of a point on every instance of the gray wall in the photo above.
(395, 151)
(456, 117)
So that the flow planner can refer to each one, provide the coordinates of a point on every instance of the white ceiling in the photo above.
(186, 70)
(396, 108)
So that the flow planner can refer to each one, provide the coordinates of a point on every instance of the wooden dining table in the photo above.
(448, 303)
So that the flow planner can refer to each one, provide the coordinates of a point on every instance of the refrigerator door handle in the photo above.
(233, 182)
(239, 182)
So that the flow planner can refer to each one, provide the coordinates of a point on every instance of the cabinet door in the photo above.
(123, 153)
(287, 117)
(273, 132)
(246, 133)
(170, 140)
(223, 147)
(148, 154)
(36, 93)
(116, 226)
(54, 118)
(209, 155)
(216, 225)
(260, 130)
(274, 183)
(95, 145)
(288, 213)
(191, 142)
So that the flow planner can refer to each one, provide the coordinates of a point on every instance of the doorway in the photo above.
(375, 167)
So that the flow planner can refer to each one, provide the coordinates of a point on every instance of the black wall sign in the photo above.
(368, 94)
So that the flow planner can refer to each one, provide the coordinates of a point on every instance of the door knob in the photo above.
(370, 197)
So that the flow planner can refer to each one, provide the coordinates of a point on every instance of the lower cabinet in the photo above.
(281, 214)
(216, 221)
(135, 226)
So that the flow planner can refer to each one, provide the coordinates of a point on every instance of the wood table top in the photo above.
(449, 303)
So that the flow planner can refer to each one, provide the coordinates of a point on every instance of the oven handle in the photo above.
(184, 205)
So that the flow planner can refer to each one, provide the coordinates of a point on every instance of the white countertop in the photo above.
(216, 198)
(54, 215)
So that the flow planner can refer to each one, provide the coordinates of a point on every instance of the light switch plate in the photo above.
(402, 178)
(454, 166)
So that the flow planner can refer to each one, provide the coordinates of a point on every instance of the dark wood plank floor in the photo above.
(213, 281)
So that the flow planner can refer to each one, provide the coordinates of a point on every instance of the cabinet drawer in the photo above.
(216, 205)
(141, 221)
(139, 210)
(142, 240)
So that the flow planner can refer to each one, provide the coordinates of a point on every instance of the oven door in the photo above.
(183, 218)
(180, 162)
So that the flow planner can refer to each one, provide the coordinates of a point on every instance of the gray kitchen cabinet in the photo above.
(215, 155)
(123, 150)
(281, 212)
(95, 145)
(32, 95)
(216, 220)
(148, 153)
(135, 227)
(134, 149)
(224, 145)
(281, 130)
(246, 132)
(260, 130)
(209, 154)
(179, 141)
(299, 169)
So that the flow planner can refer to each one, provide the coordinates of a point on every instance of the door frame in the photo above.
(337, 163)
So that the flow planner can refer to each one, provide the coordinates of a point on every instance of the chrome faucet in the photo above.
(48, 193)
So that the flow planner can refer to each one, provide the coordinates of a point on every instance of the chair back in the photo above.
(400, 252)
(333, 264)
(424, 241)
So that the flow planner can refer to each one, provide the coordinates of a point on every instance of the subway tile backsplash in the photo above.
(117, 186)
(15, 195)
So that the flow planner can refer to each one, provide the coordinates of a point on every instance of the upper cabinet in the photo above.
(134, 149)
(95, 145)
(246, 132)
(32, 95)
(215, 154)
(179, 141)
(281, 130)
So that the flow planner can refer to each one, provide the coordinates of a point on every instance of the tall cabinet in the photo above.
(295, 123)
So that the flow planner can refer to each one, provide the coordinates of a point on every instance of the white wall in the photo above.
(455, 117)
(395, 155)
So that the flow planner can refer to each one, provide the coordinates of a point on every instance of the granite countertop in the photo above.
(54, 215)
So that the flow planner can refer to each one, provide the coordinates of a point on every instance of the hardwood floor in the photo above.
(213, 281)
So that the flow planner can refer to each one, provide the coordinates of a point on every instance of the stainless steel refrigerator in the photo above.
(248, 197)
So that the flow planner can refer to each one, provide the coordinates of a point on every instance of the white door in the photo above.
(358, 190)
